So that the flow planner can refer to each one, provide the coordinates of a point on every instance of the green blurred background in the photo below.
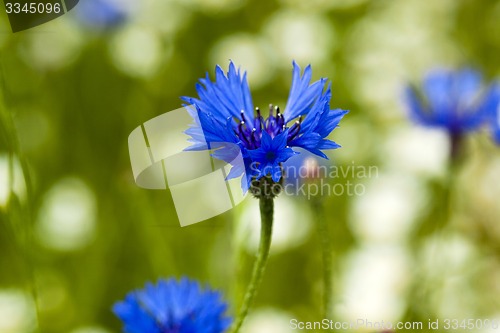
(76, 232)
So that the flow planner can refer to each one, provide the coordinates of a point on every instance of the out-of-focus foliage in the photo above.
(79, 234)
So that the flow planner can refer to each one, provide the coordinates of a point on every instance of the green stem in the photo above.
(266, 230)
(326, 250)
(25, 235)
(424, 284)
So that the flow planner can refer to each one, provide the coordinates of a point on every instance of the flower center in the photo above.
(250, 132)
(270, 156)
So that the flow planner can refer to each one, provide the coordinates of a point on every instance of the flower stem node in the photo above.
(266, 187)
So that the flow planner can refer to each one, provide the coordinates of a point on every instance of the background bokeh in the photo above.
(78, 234)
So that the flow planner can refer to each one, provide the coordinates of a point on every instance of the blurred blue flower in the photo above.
(102, 13)
(494, 101)
(496, 127)
(457, 101)
(173, 306)
(225, 118)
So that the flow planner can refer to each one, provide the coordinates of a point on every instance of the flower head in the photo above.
(102, 13)
(456, 101)
(496, 127)
(173, 306)
(225, 117)
(494, 107)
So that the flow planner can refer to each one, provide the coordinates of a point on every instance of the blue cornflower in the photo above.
(173, 306)
(457, 101)
(102, 13)
(225, 118)
(496, 125)
(494, 101)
